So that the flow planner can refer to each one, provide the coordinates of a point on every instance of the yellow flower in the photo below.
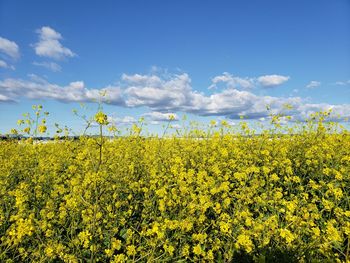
(116, 244)
(197, 250)
(185, 250)
(186, 225)
(26, 130)
(101, 118)
(244, 241)
(333, 234)
(119, 258)
(49, 251)
(316, 231)
(131, 250)
(199, 237)
(109, 252)
(274, 177)
(210, 255)
(14, 131)
(20, 122)
(85, 238)
(169, 249)
(287, 235)
(224, 227)
(42, 128)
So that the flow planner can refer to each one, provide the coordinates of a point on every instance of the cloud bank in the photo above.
(165, 95)
(39, 88)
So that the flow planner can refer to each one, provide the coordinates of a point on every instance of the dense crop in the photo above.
(207, 196)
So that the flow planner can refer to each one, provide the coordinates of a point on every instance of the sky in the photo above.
(203, 59)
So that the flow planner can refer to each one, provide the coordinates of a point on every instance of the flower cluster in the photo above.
(101, 118)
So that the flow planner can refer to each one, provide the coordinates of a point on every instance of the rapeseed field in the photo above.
(280, 195)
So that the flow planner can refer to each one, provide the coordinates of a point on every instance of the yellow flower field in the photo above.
(207, 196)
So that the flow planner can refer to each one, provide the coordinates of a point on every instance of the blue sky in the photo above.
(205, 59)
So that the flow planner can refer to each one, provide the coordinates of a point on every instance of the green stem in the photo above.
(101, 142)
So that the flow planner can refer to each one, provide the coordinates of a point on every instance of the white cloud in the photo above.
(232, 82)
(144, 80)
(272, 80)
(342, 83)
(176, 94)
(4, 98)
(313, 84)
(166, 95)
(38, 88)
(48, 65)
(227, 102)
(156, 93)
(36, 78)
(9, 48)
(49, 44)
(160, 116)
(3, 64)
(126, 120)
(117, 121)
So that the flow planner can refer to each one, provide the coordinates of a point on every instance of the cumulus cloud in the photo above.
(9, 48)
(272, 80)
(38, 88)
(48, 65)
(3, 64)
(232, 81)
(158, 94)
(160, 116)
(313, 84)
(49, 44)
(166, 95)
(176, 94)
